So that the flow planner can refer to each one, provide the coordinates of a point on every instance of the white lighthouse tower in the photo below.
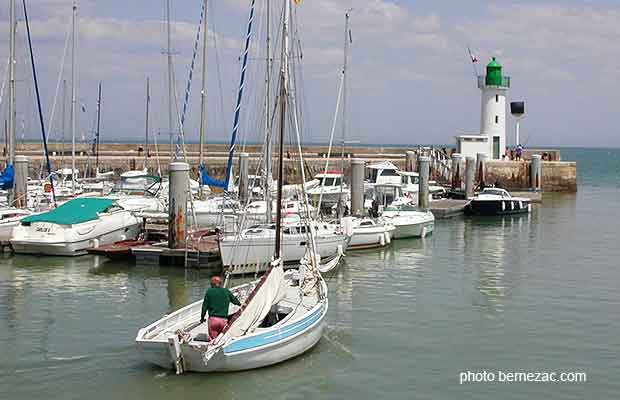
(492, 137)
(494, 87)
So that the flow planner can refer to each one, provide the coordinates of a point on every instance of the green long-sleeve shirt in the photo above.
(216, 302)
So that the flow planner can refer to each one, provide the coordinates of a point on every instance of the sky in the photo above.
(410, 77)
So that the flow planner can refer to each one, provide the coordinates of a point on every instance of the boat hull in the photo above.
(260, 250)
(416, 230)
(498, 207)
(254, 352)
(56, 246)
(370, 238)
(265, 347)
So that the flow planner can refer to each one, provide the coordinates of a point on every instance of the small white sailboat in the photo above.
(252, 248)
(282, 314)
(409, 221)
(74, 226)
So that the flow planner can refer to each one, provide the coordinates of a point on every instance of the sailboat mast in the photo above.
(73, 95)
(12, 61)
(344, 106)
(146, 123)
(267, 146)
(170, 85)
(283, 100)
(98, 130)
(64, 122)
(203, 91)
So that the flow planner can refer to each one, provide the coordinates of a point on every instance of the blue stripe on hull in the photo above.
(275, 335)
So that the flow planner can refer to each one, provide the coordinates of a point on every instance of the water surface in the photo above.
(530, 293)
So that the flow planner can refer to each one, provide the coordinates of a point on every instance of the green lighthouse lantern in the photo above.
(494, 74)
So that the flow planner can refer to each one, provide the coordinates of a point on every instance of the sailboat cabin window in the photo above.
(497, 119)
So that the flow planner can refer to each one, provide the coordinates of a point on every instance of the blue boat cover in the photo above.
(7, 178)
(205, 179)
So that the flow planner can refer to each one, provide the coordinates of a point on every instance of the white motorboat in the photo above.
(74, 226)
(496, 201)
(368, 233)
(410, 182)
(251, 250)
(383, 173)
(9, 219)
(409, 221)
(329, 189)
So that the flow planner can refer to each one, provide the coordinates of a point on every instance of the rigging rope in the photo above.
(204, 176)
(5, 78)
(36, 87)
(50, 123)
(188, 88)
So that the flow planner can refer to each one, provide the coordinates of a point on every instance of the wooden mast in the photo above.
(283, 100)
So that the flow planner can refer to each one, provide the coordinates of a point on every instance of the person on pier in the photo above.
(216, 302)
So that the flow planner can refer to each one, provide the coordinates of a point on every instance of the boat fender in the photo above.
(520, 205)
(174, 347)
(388, 240)
(423, 232)
(503, 206)
(529, 207)
(340, 251)
(382, 240)
(123, 237)
(347, 224)
(95, 243)
(512, 205)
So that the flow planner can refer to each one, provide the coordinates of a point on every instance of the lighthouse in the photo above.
(492, 137)
(494, 87)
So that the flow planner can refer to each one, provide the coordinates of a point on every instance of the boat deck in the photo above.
(293, 300)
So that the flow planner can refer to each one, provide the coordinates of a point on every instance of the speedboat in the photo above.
(496, 201)
(74, 226)
(368, 233)
(409, 221)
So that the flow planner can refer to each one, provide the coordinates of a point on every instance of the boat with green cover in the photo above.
(74, 226)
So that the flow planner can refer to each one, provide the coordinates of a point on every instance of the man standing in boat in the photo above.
(216, 302)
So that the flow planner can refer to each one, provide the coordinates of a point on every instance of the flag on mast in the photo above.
(473, 58)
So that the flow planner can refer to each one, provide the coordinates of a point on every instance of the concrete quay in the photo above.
(557, 176)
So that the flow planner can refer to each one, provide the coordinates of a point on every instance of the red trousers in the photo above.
(216, 326)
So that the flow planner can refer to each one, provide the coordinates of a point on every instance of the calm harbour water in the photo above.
(531, 293)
